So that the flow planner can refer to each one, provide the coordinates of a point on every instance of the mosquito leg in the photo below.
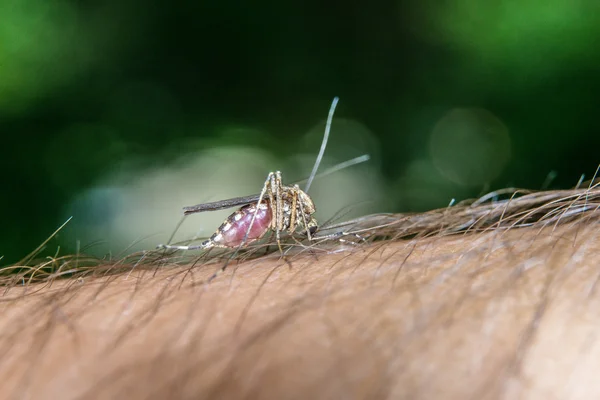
(293, 211)
(341, 240)
(339, 236)
(276, 182)
(207, 244)
(306, 223)
(270, 193)
(170, 247)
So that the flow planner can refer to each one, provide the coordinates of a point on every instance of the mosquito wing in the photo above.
(242, 201)
(221, 204)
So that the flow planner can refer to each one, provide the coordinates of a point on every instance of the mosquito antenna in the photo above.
(340, 166)
(323, 143)
(345, 164)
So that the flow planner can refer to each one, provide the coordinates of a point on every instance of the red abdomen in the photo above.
(232, 232)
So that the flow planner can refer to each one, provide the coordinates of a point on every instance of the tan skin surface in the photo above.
(500, 315)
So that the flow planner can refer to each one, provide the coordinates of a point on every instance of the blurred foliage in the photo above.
(462, 96)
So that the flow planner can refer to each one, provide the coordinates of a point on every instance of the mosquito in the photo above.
(278, 207)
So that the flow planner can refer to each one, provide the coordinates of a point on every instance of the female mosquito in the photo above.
(278, 207)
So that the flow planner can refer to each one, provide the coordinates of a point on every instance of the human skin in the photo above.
(500, 314)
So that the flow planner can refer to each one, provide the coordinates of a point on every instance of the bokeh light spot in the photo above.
(470, 146)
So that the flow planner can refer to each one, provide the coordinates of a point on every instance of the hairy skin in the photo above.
(501, 314)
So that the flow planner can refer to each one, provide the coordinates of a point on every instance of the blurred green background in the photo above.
(450, 98)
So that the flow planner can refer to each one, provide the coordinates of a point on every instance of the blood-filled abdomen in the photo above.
(232, 232)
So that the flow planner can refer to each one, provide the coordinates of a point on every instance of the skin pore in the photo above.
(501, 311)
